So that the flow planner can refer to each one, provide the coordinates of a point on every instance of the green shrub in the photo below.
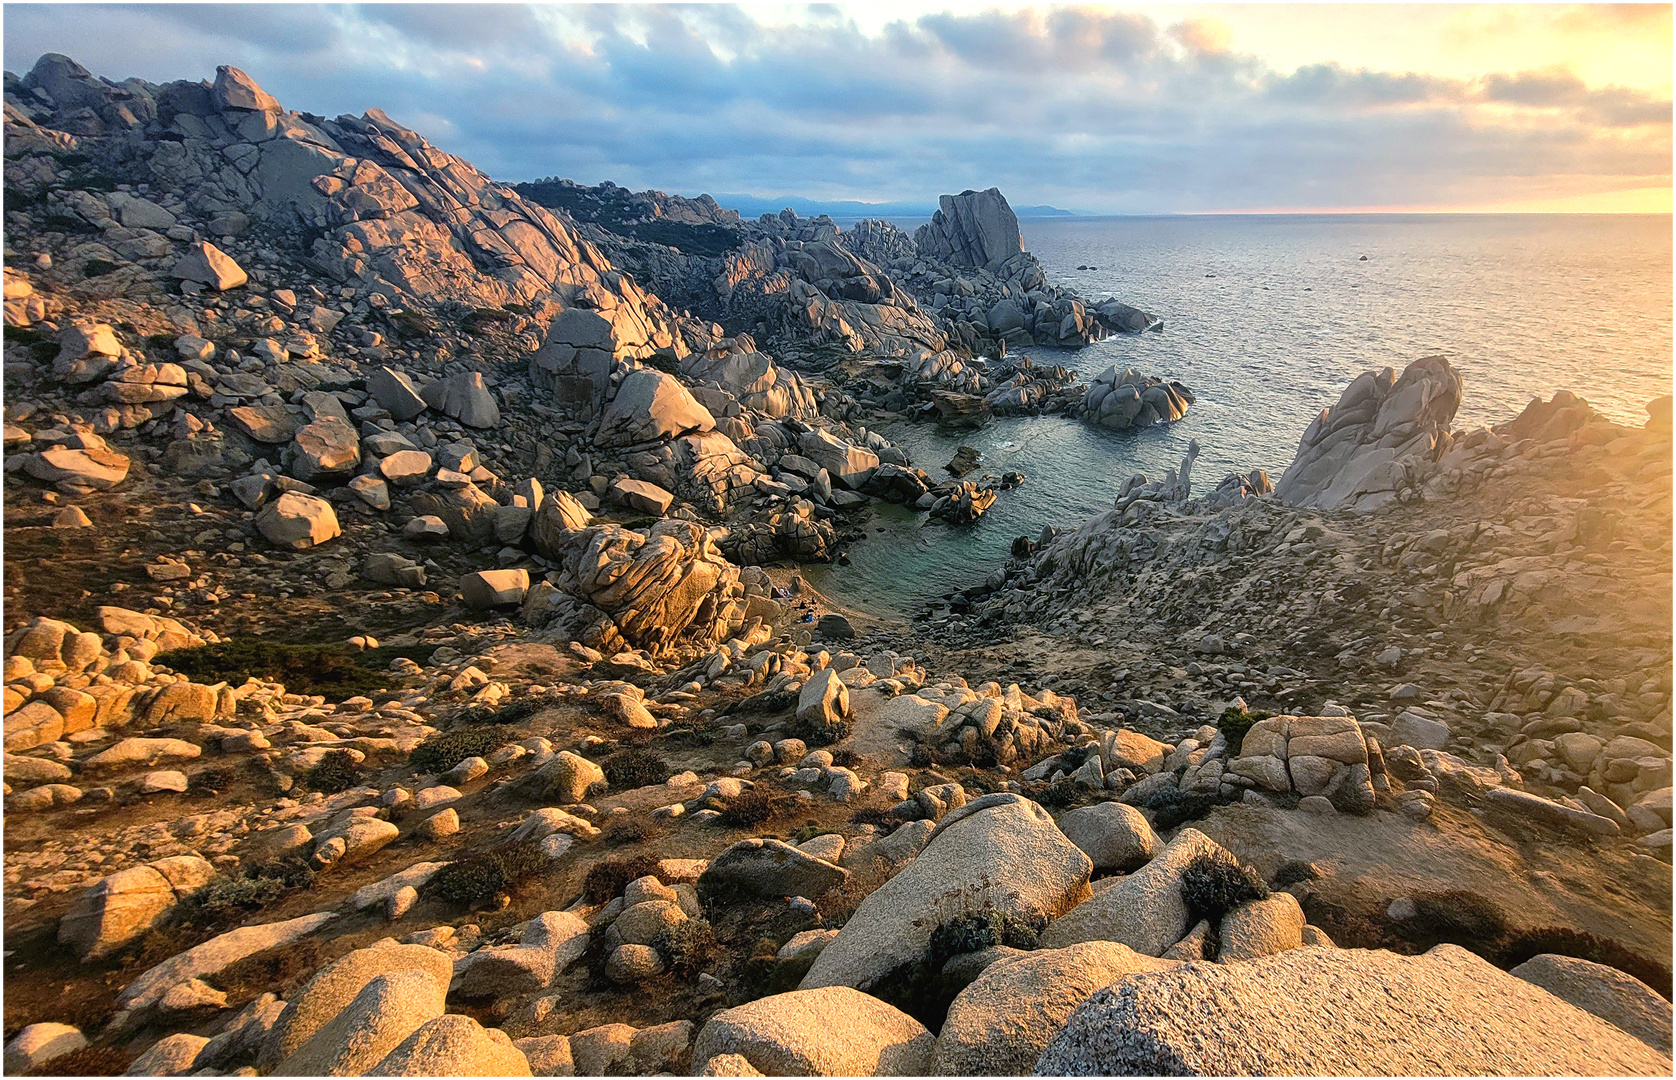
(1216, 882)
(607, 878)
(522, 709)
(686, 946)
(816, 733)
(811, 830)
(1058, 795)
(1293, 871)
(439, 753)
(338, 770)
(225, 895)
(482, 875)
(635, 768)
(977, 931)
(1234, 723)
(332, 670)
(1172, 806)
(921, 990)
(753, 807)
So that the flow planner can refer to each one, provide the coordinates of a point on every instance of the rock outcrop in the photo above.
(1121, 401)
(1380, 443)
(973, 229)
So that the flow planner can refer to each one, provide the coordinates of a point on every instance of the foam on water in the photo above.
(1267, 318)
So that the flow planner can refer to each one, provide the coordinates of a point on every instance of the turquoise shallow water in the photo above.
(1267, 318)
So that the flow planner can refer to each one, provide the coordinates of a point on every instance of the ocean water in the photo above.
(1267, 318)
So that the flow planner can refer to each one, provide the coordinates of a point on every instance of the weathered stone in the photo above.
(298, 521)
(209, 265)
(998, 853)
(651, 405)
(395, 394)
(465, 397)
(210, 957)
(328, 446)
(762, 867)
(1144, 911)
(641, 496)
(40, 1043)
(337, 985)
(1114, 836)
(1446, 1013)
(1620, 999)
(378, 1019)
(454, 1046)
(830, 1031)
(486, 589)
(1000, 1023)
(824, 699)
(1262, 928)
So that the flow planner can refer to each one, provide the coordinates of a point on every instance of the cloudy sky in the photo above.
(1121, 109)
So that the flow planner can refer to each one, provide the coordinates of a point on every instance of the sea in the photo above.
(1267, 318)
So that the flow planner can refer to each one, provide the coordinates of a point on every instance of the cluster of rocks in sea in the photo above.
(930, 318)
(607, 795)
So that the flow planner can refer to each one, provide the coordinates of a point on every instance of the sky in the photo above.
(1150, 108)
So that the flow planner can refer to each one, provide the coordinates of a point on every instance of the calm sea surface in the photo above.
(1266, 319)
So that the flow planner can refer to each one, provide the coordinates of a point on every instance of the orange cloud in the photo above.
(1204, 35)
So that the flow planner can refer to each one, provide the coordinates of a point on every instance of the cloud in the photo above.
(1076, 106)
(1204, 35)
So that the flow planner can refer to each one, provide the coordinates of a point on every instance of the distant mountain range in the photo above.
(752, 206)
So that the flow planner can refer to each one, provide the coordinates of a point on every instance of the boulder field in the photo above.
(408, 669)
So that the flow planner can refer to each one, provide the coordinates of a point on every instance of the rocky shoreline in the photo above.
(408, 670)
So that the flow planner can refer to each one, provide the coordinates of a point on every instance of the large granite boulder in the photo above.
(336, 985)
(1379, 442)
(1115, 836)
(298, 521)
(974, 228)
(378, 1019)
(1145, 911)
(329, 446)
(124, 905)
(849, 466)
(140, 997)
(651, 405)
(575, 361)
(656, 587)
(830, 1031)
(559, 516)
(999, 1024)
(454, 1045)
(999, 853)
(465, 397)
(1343, 1012)
(767, 867)
(1619, 998)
